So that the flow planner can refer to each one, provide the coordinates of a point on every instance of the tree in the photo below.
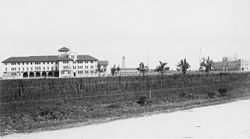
(114, 70)
(161, 68)
(142, 68)
(206, 65)
(100, 69)
(183, 65)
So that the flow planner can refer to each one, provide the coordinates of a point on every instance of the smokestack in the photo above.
(123, 62)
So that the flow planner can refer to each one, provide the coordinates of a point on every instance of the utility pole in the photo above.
(147, 60)
(199, 58)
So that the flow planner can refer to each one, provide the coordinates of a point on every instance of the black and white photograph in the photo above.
(125, 69)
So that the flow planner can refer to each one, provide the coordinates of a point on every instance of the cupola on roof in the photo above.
(63, 49)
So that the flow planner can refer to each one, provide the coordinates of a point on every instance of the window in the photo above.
(37, 63)
(37, 68)
(13, 63)
(23, 63)
(47, 68)
(31, 68)
(18, 63)
(92, 71)
(80, 72)
(79, 62)
(80, 67)
(27, 68)
(23, 69)
(91, 67)
(6, 69)
(65, 67)
(86, 72)
(56, 69)
(5, 63)
(19, 69)
(86, 67)
(62, 72)
(52, 62)
(13, 69)
(13, 74)
(65, 62)
(52, 68)
(43, 62)
(91, 61)
(47, 62)
(86, 62)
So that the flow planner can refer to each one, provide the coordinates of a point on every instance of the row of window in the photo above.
(31, 63)
(86, 72)
(83, 61)
(79, 62)
(38, 63)
(31, 68)
(246, 64)
(79, 67)
(79, 72)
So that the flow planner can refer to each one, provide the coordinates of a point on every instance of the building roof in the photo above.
(86, 58)
(126, 69)
(103, 62)
(48, 58)
(63, 49)
(32, 59)
(64, 58)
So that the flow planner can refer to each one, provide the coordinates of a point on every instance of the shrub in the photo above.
(223, 91)
(51, 113)
(144, 100)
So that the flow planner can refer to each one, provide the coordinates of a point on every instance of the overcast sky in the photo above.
(167, 30)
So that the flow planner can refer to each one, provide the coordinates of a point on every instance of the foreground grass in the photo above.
(30, 117)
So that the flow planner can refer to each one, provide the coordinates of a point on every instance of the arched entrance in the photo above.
(56, 73)
(44, 74)
(38, 74)
(25, 75)
(50, 74)
(31, 74)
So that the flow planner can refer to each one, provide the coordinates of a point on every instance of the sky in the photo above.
(141, 30)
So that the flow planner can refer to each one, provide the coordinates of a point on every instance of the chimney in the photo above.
(123, 62)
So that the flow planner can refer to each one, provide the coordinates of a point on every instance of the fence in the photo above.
(109, 89)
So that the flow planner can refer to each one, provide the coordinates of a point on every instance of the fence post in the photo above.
(150, 94)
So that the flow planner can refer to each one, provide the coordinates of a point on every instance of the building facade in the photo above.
(128, 72)
(245, 65)
(231, 65)
(65, 64)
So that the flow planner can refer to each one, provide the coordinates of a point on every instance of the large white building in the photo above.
(65, 64)
(232, 65)
(245, 65)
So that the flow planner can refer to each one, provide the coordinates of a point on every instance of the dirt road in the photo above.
(225, 121)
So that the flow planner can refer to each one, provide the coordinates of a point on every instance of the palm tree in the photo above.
(183, 65)
(142, 68)
(161, 68)
(114, 70)
(100, 69)
(206, 65)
